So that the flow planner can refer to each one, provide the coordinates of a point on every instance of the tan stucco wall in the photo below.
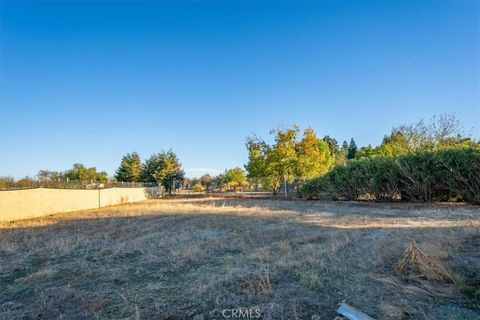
(23, 204)
(113, 196)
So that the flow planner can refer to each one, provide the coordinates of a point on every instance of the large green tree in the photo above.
(289, 157)
(352, 149)
(313, 156)
(130, 168)
(151, 165)
(283, 155)
(171, 173)
(332, 145)
(235, 177)
(163, 168)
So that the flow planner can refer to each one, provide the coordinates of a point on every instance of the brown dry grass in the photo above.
(185, 259)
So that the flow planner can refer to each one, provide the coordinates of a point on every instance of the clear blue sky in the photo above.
(88, 82)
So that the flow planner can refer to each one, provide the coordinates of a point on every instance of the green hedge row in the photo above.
(449, 175)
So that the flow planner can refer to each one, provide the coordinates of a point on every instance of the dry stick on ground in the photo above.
(418, 257)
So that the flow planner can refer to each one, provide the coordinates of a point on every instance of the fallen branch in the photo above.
(413, 255)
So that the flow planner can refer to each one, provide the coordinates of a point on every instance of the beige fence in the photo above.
(23, 204)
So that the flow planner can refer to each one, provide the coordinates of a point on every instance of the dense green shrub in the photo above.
(315, 189)
(452, 174)
(367, 178)
(349, 182)
(420, 177)
(384, 178)
(461, 173)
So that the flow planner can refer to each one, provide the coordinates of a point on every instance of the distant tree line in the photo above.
(230, 179)
(163, 168)
(47, 178)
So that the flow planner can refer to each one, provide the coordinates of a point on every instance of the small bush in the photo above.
(198, 188)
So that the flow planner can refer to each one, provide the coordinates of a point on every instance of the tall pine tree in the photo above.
(352, 149)
(130, 168)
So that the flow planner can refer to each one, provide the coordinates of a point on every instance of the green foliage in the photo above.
(313, 156)
(235, 177)
(130, 168)
(26, 182)
(152, 165)
(420, 177)
(7, 182)
(450, 174)
(198, 187)
(288, 157)
(439, 133)
(102, 176)
(163, 168)
(352, 149)
(220, 181)
(317, 188)
(349, 181)
(365, 152)
(458, 174)
(258, 151)
(282, 157)
(81, 173)
(425, 176)
(383, 178)
(395, 144)
(230, 179)
(332, 145)
(341, 157)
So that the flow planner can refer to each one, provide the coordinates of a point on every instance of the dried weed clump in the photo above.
(416, 259)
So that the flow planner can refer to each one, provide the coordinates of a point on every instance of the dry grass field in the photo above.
(191, 259)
